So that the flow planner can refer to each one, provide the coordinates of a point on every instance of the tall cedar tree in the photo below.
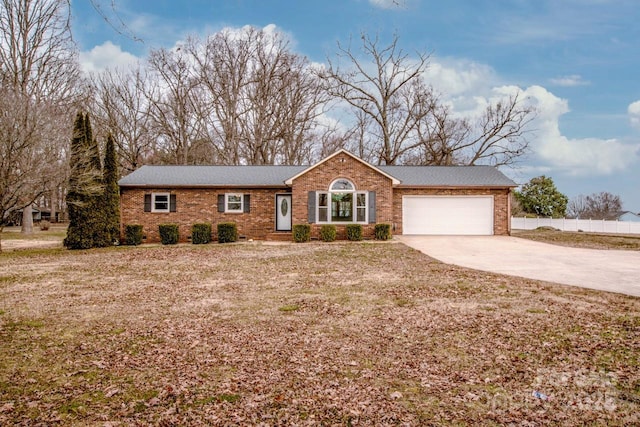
(85, 189)
(111, 197)
(96, 211)
(77, 236)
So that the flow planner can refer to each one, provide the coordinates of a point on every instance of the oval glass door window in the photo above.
(284, 207)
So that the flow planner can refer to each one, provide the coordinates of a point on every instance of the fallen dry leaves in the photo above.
(309, 334)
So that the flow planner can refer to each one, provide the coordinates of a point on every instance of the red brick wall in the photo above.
(194, 205)
(501, 207)
(342, 166)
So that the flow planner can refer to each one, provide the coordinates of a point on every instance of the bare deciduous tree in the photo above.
(259, 101)
(172, 103)
(122, 109)
(601, 205)
(39, 75)
(221, 67)
(402, 120)
(387, 93)
(497, 137)
(577, 207)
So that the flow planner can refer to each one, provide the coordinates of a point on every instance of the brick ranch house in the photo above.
(265, 201)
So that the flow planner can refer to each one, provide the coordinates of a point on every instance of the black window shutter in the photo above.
(220, 202)
(247, 203)
(311, 207)
(147, 202)
(372, 207)
(172, 203)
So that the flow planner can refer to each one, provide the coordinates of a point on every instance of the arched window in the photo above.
(342, 203)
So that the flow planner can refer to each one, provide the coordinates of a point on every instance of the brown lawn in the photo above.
(629, 242)
(307, 334)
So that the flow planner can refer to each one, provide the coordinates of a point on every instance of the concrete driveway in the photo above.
(607, 270)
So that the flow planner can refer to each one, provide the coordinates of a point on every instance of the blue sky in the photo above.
(578, 61)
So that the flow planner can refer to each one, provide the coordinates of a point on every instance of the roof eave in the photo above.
(263, 186)
(456, 186)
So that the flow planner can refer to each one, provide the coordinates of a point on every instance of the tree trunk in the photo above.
(27, 220)
(53, 204)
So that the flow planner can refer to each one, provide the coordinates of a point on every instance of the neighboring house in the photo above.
(629, 216)
(265, 201)
(38, 214)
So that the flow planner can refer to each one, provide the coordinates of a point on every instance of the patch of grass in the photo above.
(24, 324)
(403, 302)
(74, 407)
(227, 397)
(536, 311)
(289, 308)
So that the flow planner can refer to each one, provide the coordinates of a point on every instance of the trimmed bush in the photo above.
(354, 232)
(382, 231)
(133, 234)
(227, 232)
(44, 225)
(301, 233)
(169, 234)
(201, 233)
(328, 233)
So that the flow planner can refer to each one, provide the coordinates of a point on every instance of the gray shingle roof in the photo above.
(207, 176)
(275, 176)
(449, 176)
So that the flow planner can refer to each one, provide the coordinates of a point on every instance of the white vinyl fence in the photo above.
(587, 225)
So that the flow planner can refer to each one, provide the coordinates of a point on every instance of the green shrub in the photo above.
(44, 225)
(328, 233)
(354, 232)
(169, 234)
(201, 233)
(301, 233)
(133, 234)
(382, 231)
(227, 232)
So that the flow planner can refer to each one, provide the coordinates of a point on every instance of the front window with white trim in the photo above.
(233, 203)
(342, 203)
(160, 202)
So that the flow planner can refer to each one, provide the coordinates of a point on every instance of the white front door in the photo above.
(283, 212)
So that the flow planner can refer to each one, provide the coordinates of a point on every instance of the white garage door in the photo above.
(447, 215)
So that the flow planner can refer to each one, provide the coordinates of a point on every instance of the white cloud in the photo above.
(634, 114)
(578, 157)
(468, 88)
(107, 55)
(454, 77)
(570, 81)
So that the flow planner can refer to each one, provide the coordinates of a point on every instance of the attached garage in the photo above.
(448, 215)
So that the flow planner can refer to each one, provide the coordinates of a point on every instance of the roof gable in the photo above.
(393, 179)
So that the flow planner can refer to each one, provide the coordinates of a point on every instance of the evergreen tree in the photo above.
(111, 197)
(85, 188)
(97, 220)
(540, 197)
(77, 237)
